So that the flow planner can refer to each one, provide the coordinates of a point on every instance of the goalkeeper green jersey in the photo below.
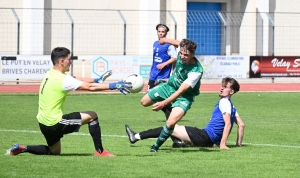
(52, 94)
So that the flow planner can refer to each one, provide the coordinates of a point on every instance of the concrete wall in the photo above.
(102, 31)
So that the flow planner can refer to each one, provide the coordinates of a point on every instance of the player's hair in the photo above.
(189, 45)
(234, 84)
(59, 52)
(162, 26)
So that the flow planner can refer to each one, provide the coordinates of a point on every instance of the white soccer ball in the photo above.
(137, 83)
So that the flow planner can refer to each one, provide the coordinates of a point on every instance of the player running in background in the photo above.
(215, 132)
(52, 94)
(180, 89)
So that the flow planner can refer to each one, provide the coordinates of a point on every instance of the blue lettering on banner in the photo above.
(144, 71)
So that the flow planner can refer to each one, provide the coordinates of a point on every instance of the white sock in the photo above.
(137, 136)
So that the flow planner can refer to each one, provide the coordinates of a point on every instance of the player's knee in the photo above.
(93, 115)
(143, 102)
(171, 123)
(242, 125)
(146, 101)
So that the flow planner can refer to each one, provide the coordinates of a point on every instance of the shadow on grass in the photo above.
(137, 146)
(76, 154)
(190, 149)
(234, 146)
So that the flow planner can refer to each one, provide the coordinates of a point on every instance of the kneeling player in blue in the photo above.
(215, 132)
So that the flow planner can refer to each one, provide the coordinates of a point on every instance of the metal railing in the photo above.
(125, 32)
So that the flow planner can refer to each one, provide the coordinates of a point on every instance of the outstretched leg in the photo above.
(33, 149)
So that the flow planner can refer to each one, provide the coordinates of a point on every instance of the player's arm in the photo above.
(122, 86)
(88, 80)
(190, 82)
(241, 127)
(225, 108)
(162, 65)
(101, 79)
(172, 60)
(171, 41)
(72, 84)
(226, 130)
(159, 105)
(93, 86)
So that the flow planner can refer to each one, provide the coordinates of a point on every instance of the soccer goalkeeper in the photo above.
(52, 94)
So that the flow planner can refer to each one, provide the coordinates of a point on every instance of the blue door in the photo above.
(204, 27)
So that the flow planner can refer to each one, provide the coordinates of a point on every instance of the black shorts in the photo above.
(151, 84)
(199, 137)
(68, 124)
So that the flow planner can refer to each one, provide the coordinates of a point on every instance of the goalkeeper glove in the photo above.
(121, 85)
(103, 77)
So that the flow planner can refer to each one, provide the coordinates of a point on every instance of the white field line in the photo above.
(123, 136)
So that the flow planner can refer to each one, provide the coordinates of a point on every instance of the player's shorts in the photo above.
(199, 137)
(151, 84)
(164, 91)
(68, 124)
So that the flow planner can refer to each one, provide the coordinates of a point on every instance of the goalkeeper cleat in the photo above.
(153, 149)
(104, 153)
(131, 134)
(15, 150)
(105, 76)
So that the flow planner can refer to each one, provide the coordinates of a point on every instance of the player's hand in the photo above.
(224, 147)
(158, 106)
(160, 66)
(103, 77)
(162, 41)
(122, 86)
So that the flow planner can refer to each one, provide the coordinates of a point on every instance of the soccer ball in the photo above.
(137, 83)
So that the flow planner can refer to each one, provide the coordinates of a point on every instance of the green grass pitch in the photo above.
(271, 142)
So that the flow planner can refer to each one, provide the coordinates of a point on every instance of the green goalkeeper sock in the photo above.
(164, 135)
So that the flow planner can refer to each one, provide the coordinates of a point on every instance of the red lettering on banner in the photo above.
(117, 63)
(100, 67)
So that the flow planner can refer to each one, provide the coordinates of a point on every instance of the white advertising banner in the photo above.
(223, 66)
(26, 67)
(122, 66)
(35, 67)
